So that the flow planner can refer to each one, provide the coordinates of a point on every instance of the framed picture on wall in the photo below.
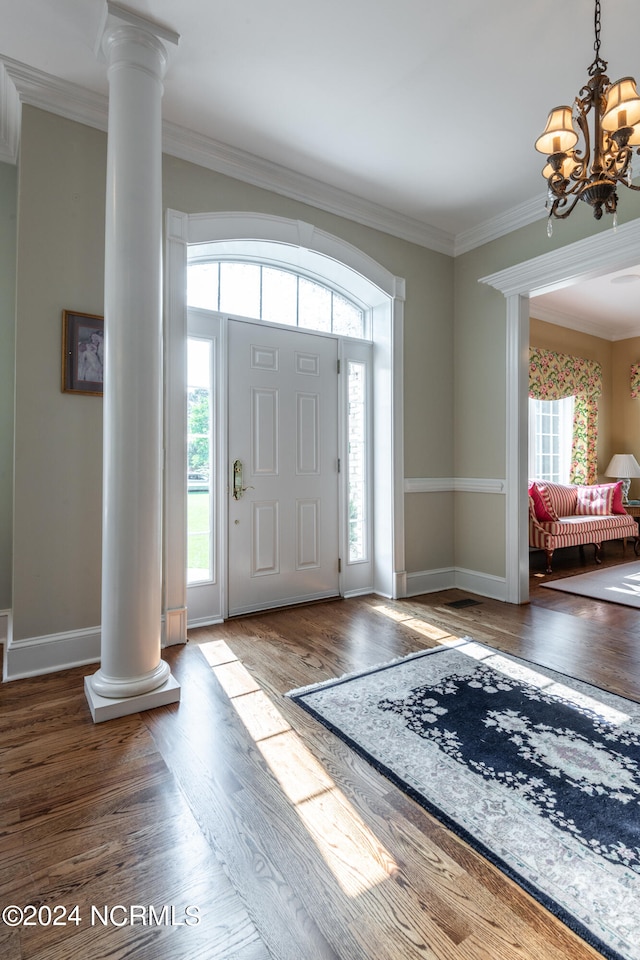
(82, 353)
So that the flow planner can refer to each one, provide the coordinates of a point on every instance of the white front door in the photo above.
(283, 489)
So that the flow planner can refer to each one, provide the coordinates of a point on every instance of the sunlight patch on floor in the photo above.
(353, 853)
(423, 627)
(527, 673)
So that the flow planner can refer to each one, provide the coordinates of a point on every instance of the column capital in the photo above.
(118, 21)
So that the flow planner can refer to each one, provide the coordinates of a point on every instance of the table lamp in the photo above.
(623, 466)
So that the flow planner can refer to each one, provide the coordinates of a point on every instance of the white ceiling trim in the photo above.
(38, 89)
(20, 83)
(520, 216)
(580, 324)
(196, 148)
(585, 259)
(9, 119)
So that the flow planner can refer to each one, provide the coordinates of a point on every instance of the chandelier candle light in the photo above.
(579, 169)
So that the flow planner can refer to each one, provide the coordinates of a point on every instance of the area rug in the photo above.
(538, 772)
(617, 584)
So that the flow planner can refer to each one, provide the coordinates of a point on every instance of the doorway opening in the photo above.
(595, 256)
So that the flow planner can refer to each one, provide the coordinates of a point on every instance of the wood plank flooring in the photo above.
(237, 803)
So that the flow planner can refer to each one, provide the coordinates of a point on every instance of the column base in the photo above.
(108, 708)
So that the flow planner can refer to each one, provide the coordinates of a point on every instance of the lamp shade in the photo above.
(559, 135)
(623, 465)
(623, 105)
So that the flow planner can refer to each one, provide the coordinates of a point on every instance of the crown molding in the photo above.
(39, 89)
(520, 216)
(20, 83)
(196, 148)
(605, 331)
(570, 321)
(9, 118)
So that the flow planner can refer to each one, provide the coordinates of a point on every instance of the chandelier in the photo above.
(579, 168)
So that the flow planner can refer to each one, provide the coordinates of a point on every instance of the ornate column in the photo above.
(132, 675)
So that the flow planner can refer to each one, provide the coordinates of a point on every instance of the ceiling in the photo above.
(361, 105)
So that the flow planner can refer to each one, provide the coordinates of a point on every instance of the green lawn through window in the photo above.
(198, 524)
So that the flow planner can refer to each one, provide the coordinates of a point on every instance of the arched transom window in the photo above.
(273, 294)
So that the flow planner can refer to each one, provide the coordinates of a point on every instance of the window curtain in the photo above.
(553, 376)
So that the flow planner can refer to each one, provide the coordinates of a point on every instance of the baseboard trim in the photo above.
(48, 654)
(430, 581)
(77, 648)
(5, 625)
(204, 622)
(447, 578)
(174, 627)
(483, 584)
(361, 592)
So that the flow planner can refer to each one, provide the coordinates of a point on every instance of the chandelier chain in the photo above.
(599, 65)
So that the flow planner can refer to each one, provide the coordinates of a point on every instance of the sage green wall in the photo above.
(429, 532)
(480, 373)
(59, 436)
(8, 201)
(58, 458)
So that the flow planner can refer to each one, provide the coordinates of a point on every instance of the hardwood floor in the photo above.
(237, 803)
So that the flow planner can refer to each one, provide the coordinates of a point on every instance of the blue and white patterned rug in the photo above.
(538, 772)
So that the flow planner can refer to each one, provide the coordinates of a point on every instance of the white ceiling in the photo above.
(606, 307)
(369, 100)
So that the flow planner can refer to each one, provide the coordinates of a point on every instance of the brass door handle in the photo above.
(238, 488)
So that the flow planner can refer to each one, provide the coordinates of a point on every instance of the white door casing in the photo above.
(284, 242)
(592, 257)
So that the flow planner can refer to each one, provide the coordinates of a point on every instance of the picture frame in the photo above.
(82, 353)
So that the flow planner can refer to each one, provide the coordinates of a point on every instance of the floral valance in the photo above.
(635, 381)
(553, 376)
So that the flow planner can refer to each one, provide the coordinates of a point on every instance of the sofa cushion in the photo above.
(561, 496)
(541, 503)
(593, 526)
(595, 500)
(618, 505)
(600, 500)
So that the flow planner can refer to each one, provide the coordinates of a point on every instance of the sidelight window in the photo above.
(200, 467)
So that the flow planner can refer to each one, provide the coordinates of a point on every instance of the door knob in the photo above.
(238, 488)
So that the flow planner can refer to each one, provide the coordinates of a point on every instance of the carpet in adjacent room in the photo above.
(619, 583)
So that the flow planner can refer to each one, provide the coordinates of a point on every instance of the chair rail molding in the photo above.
(453, 485)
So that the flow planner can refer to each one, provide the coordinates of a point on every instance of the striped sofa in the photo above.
(562, 515)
